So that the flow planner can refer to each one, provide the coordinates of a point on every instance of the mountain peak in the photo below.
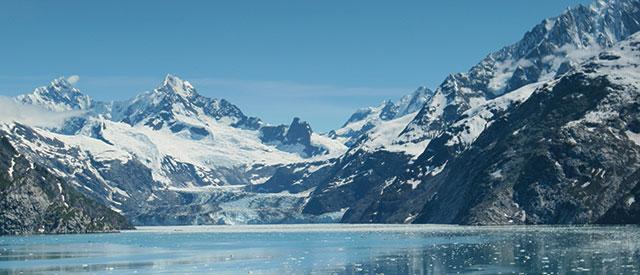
(59, 95)
(61, 84)
(178, 86)
(413, 102)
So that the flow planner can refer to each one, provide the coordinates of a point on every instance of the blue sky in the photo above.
(319, 60)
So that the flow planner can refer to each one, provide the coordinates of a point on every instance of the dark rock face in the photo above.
(298, 133)
(353, 180)
(529, 167)
(541, 163)
(296, 178)
(271, 134)
(34, 201)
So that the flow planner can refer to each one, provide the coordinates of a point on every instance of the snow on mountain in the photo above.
(164, 153)
(566, 155)
(549, 49)
(59, 95)
(619, 65)
(177, 105)
(368, 119)
(174, 115)
(173, 156)
(477, 119)
(383, 135)
(463, 107)
(141, 155)
(229, 147)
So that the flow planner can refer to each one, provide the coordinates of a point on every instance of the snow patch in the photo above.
(496, 175)
(635, 137)
(10, 171)
(631, 200)
(64, 201)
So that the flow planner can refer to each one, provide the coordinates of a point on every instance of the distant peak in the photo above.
(61, 82)
(60, 85)
(170, 80)
(59, 95)
(176, 85)
(422, 90)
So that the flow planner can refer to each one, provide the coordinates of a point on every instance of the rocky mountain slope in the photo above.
(569, 154)
(32, 200)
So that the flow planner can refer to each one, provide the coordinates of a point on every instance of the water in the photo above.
(321, 249)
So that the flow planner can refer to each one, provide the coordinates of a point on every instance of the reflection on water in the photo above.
(341, 249)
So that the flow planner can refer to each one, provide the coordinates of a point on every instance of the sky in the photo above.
(317, 60)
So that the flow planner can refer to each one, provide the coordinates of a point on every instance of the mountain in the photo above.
(32, 200)
(294, 138)
(365, 120)
(169, 156)
(544, 131)
(176, 105)
(60, 95)
(569, 154)
(550, 48)
(385, 181)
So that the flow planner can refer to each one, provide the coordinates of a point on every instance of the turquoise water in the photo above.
(321, 249)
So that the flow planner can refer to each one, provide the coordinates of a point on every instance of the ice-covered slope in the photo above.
(382, 118)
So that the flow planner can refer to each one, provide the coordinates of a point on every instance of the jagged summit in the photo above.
(59, 95)
(178, 86)
(176, 102)
(366, 119)
(548, 50)
(413, 102)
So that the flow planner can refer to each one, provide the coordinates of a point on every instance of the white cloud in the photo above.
(12, 111)
(73, 79)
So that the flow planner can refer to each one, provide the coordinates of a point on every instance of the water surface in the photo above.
(333, 248)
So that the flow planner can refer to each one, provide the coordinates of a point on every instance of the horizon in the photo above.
(301, 64)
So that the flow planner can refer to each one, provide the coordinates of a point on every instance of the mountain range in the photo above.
(544, 131)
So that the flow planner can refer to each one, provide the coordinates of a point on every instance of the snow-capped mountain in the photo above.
(176, 105)
(365, 120)
(568, 154)
(139, 155)
(543, 131)
(461, 110)
(60, 95)
(549, 49)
